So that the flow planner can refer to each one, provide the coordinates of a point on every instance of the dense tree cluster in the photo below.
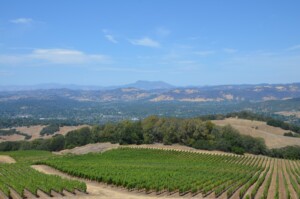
(198, 133)
(50, 129)
(191, 132)
(288, 152)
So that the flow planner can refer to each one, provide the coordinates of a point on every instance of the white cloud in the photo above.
(145, 41)
(296, 47)
(230, 50)
(205, 53)
(54, 56)
(111, 38)
(22, 21)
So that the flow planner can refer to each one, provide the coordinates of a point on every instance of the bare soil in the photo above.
(290, 186)
(273, 136)
(89, 148)
(282, 191)
(6, 159)
(102, 147)
(262, 187)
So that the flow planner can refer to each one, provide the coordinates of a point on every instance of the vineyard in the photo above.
(174, 172)
(21, 180)
(157, 172)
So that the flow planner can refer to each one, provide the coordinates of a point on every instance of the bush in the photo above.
(238, 150)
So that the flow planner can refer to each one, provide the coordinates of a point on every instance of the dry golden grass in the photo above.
(6, 159)
(273, 136)
(35, 130)
(289, 113)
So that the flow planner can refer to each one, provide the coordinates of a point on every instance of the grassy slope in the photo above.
(273, 136)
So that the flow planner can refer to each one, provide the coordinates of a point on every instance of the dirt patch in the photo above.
(6, 159)
(89, 148)
(176, 147)
(99, 190)
(11, 138)
(102, 147)
(273, 136)
(34, 131)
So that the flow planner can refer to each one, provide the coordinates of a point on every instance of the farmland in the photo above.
(151, 173)
(21, 180)
(176, 173)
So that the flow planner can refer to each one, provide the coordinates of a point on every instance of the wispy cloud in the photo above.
(205, 53)
(162, 32)
(22, 21)
(230, 50)
(296, 47)
(125, 69)
(111, 38)
(54, 56)
(145, 41)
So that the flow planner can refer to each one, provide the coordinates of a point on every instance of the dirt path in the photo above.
(260, 191)
(236, 194)
(272, 189)
(291, 188)
(282, 191)
(99, 190)
(6, 159)
(267, 163)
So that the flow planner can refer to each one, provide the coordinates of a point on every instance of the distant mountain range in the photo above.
(144, 85)
(155, 92)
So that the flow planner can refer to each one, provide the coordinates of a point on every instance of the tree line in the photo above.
(199, 133)
(192, 132)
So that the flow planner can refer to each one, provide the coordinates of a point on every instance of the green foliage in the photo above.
(157, 170)
(50, 129)
(191, 132)
(288, 152)
(20, 177)
(78, 137)
(290, 134)
(28, 156)
(267, 185)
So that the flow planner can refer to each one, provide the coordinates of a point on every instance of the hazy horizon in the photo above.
(59, 85)
(107, 43)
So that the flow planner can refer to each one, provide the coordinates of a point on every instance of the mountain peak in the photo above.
(150, 85)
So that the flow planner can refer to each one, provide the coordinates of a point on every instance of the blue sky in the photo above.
(182, 42)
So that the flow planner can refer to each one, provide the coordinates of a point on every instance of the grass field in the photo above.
(273, 136)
